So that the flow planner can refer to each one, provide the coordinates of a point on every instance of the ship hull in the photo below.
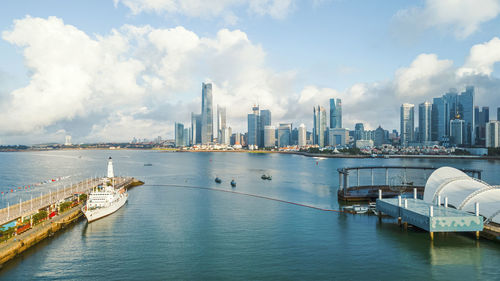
(95, 214)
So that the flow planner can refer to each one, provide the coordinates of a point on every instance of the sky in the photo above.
(111, 70)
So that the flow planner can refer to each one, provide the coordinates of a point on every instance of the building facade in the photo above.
(269, 136)
(221, 122)
(493, 134)
(335, 113)
(424, 122)
(407, 124)
(179, 135)
(284, 134)
(319, 126)
(207, 114)
(458, 132)
(195, 128)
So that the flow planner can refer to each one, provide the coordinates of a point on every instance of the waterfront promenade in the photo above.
(25, 208)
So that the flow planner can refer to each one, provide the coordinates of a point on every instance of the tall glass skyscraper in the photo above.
(466, 112)
(319, 126)
(221, 122)
(481, 118)
(195, 128)
(302, 135)
(424, 121)
(284, 134)
(335, 113)
(407, 124)
(253, 129)
(179, 134)
(207, 114)
(265, 120)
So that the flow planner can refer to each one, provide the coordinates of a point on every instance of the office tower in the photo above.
(179, 134)
(207, 114)
(67, 140)
(265, 120)
(359, 130)
(438, 126)
(380, 137)
(195, 128)
(337, 136)
(269, 139)
(493, 134)
(498, 114)
(465, 109)
(225, 137)
(221, 121)
(253, 129)
(424, 122)
(185, 137)
(302, 135)
(335, 113)
(319, 126)
(481, 118)
(295, 136)
(284, 134)
(457, 132)
(407, 124)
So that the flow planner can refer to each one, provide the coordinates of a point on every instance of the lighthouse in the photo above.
(110, 168)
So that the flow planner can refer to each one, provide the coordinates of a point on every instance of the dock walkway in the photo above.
(28, 207)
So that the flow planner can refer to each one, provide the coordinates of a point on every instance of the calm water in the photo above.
(167, 232)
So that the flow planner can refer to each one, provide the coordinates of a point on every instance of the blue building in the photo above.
(253, 129)
(207, 114)
(179, 135)
(335, 113)
(319, 133)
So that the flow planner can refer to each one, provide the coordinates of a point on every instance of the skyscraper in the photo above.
(466, 111)
(319, 126)
(284, 134)
(265, 120)
(424, 121)
(359, 130)
(179, 134)
(269, 140)
(335, 113)
(302, 135)
(195, 128)
(207, 114)
(438, 127)
(253, 128)
(493, 134)
(185, 137)
(457, 132)
(498, 114)
(221, 122)
(481, 118)
(407, 124)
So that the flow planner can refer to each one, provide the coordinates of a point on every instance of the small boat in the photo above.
(218, 180)
(233, 183)
(266, 177)
(359, 209)
(148, 164)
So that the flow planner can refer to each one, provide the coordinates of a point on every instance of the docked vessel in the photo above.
(104, 200)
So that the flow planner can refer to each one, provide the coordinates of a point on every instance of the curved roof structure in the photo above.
(463, 192)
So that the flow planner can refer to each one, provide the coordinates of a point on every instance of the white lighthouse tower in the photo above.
(110, 168)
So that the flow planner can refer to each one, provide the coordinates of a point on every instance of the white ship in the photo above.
(104, 200)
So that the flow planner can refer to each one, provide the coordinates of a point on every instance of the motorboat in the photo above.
(218, 180)
(266, 177)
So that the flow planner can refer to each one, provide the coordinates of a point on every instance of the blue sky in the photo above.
(287, 55)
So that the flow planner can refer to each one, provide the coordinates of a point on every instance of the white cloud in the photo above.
(482, 58)
(278, 9)
(462, 17)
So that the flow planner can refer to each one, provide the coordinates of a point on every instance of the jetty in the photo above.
(364, 183)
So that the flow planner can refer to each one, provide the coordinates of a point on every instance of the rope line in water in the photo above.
(248, 194)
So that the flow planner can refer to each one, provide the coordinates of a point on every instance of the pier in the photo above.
(363, 183)
(27, 208)
(430, 217)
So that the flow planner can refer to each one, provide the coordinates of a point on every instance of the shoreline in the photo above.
(306, 154)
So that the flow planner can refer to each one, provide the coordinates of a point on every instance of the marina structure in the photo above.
(364, 183)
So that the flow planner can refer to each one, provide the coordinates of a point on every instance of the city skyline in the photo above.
(134, 70)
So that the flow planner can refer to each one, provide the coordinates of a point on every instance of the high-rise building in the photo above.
(253, 129)
(407, 124)
(337, 136)
(498, 114)
(179, 134)
(67, 140)
(207, 114)
(481, 118)
(269, 139)
(185, 137)
(359, 130)
(195, 128)
(284, 134)
(319, 126)
(302, 135)
(424, 122)
(380, 137)
(221, 122)
(264, 120)
(225, 137)
(335, 113)
(493, 134)
(457, 132)
(466, 111)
